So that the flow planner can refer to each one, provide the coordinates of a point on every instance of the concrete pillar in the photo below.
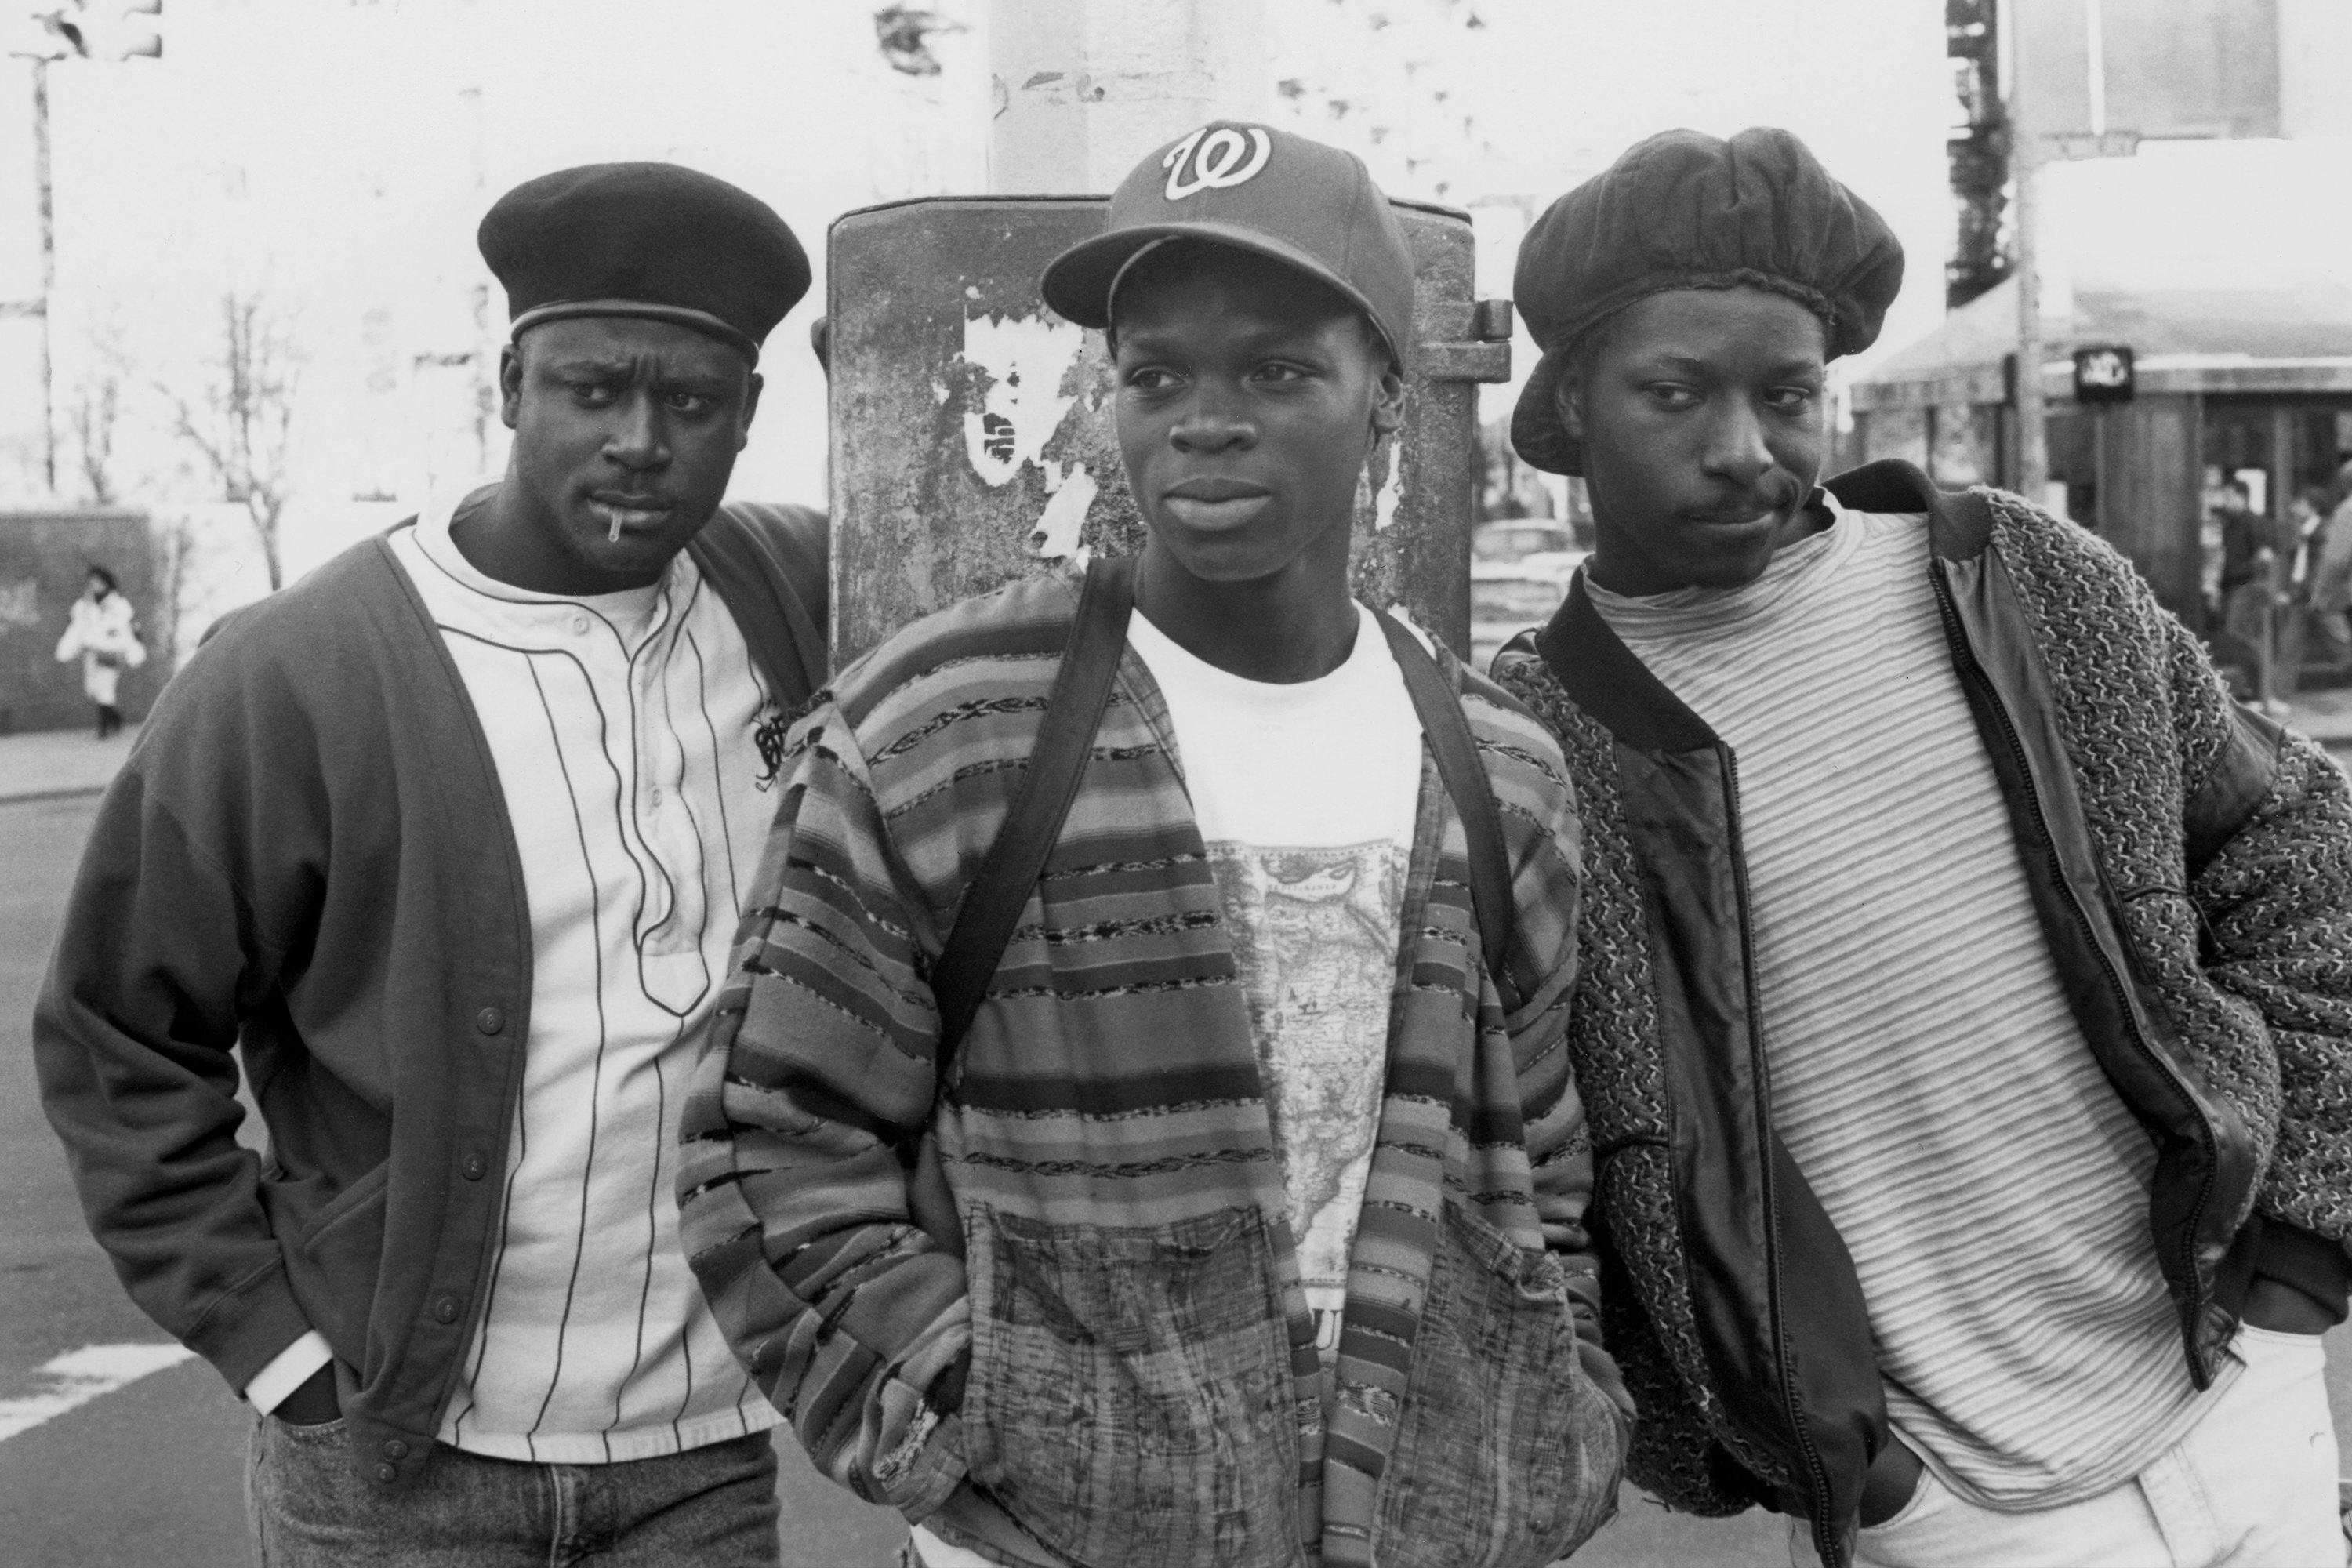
(1082, 89)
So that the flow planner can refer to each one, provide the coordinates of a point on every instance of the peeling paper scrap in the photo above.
(1025, 359)
(1056, 537)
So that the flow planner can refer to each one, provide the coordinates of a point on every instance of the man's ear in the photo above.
(1567, 402)
(1388, 402)
(510, 384)
(751, 408)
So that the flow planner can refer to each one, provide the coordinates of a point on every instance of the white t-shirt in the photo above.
(1305, 794)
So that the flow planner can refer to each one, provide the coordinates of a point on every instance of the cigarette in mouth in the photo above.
(614, 535)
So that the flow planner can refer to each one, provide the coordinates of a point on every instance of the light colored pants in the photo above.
(2251, 1486)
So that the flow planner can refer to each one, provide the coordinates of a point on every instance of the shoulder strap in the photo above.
(1001, 889)
(1439, 708)
(768, 563)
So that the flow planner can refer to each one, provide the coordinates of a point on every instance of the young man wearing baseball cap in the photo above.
(1965, 1009)
(448, 842)
(1258, 1176)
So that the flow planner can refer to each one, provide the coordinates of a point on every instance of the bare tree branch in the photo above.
(95, 410)
(240, 421)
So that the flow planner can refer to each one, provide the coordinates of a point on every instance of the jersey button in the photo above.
(489, 1020)
(580, 624)
(445, 1309)
(396, 1449)
(474, 1168)
(386, 1474)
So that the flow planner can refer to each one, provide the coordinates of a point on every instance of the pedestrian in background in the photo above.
(2331, 569)
(1965, 1006)
(444, 846)
(1222, 1244)
(2257, 552)
(102, 631)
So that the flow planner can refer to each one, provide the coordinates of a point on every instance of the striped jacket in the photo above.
(1113, 1362)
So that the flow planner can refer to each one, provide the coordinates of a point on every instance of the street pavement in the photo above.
(105, 1463)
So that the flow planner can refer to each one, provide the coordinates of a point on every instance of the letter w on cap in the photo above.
(1218, 158)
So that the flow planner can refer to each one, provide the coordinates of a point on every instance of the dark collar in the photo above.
(1958, 526)
(1602, 676)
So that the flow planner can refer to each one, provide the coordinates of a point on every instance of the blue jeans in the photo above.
(713, 1506)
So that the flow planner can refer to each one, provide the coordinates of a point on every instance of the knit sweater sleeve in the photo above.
(2264, 858)
(2269, 859)
(795, 1211)
(1537, 804)
(197, 882)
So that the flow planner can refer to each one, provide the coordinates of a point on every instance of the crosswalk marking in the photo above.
(80, 1376)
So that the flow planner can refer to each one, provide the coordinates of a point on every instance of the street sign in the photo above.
(2103, 373)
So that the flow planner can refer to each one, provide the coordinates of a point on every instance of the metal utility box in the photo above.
(971, 435)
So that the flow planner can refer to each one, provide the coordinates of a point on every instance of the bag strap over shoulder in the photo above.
(993, 904)
(1439, 708)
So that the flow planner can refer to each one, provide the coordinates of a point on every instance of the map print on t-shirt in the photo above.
(1315, 934)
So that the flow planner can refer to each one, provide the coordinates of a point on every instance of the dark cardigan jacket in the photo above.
(2191, 864)
(307, 856)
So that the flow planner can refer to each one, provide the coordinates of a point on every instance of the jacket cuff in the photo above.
(250, 1326)
(288, 1371)
(2306, 1262)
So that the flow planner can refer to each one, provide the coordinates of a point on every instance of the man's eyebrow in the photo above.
(694, 381)
(590, 365)
(1694, 365)
(1257, 337)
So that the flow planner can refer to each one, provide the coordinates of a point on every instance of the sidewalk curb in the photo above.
(70, 791)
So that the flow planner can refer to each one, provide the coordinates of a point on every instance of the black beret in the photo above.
(1683, 210)
(644, 239)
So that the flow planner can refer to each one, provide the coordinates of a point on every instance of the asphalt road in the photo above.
(153, 1472)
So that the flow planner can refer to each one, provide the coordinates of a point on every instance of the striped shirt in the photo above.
(1926, 1074)
(622, 726)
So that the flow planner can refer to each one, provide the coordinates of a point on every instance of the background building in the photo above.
(2219, 252)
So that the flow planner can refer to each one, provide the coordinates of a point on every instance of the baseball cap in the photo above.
(1256, 189)
(644, 239)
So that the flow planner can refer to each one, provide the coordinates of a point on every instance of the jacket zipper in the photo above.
(1825, 1541)
(1975, 668)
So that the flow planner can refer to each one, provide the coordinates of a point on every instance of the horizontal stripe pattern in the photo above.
(1111, 1078)
(1922, 1053)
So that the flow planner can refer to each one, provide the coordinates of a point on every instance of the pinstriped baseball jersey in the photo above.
(622, 727)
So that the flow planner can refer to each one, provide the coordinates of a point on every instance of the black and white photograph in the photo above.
(1175, 783)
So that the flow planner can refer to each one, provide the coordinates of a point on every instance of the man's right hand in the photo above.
(313, 1402)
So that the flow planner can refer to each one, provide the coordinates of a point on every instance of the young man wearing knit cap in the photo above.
(1965, 1003)
(1227, 1204)
(448, 841)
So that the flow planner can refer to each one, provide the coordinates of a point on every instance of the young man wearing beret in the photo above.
(445, 845)
(1259, 1176)
(1965, 1003)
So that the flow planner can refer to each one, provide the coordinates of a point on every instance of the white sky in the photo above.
(338, 154)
